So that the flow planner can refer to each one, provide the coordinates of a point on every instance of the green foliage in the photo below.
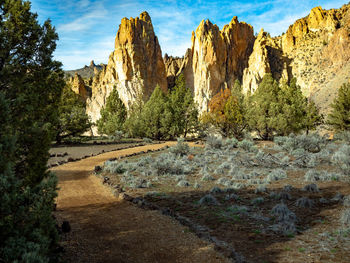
(181, 114)
(133, 125)
(113, 115)
(281, 110)
(153, 115)
(73, 120)
(30, 88)
(339, 118)
(264, 107)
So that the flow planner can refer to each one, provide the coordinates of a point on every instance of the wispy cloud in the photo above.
(87, 27)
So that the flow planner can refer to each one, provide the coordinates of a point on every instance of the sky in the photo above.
(87, 28)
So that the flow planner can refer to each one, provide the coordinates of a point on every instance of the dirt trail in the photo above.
(105, 229)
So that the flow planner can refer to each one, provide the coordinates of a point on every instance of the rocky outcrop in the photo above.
(134, 68)
(318, 19)
(172, 67)
(216, 58)
(78, 86)
(267, 57)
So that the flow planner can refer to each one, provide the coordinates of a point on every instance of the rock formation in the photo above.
(78, 86)
(314, 50)
(267, 57)
(172, 66)
(134, 68)
(216, 58)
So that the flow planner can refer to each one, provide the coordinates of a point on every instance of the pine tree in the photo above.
(293, 107)
(30, 86)
(153, 115)
(133, 125)
(113, 115)
(181, 114)
(73, 120)
(264, 108)
(339, 118)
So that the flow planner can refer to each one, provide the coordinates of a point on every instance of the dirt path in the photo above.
(105, 229)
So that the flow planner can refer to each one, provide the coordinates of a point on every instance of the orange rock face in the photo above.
(216, 58)
(78, 86)
(135, 67)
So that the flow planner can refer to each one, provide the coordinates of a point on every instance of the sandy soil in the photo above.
(105, 229)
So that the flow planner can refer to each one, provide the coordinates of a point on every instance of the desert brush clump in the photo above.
(216, 190)
(257, 201)
(284, 196)
(213, 142)
(207, 177)
(234, 197)
(345, 217)
(230, 143)
(208, 199)
(276, 175)
(312, 176)
(224, 181)
(115, 167)
(313, 188)
(247, 145)
(181, 148)
(285, 220)
(346, 201)
(308, 142)
(260, 189)
(341, 159)
(304, 202)
(183, 183)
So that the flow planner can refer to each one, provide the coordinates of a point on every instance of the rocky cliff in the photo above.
(134, 68)
(315, 50)
(216, 59)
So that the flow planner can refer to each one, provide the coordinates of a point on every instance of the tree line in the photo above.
(273, 110)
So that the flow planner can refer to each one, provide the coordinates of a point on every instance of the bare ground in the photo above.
(105, 229)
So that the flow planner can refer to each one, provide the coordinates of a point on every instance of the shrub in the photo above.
(183, 183)
(231, 143)
(260, 189)
(345, 217)
(208, 200)
(257, 201)
(213, 142)
(224, 181)
(282, 213)
(304, 202)
(181, 148)
(216, 190)
(341, 158)
(247, 145)
(284, 196)
(115, 167)
(311, 188)
(276, 175)
(346, 201)
(207, 177)
(231, 197)
(196, 185)
(312, 176)
(147, 140)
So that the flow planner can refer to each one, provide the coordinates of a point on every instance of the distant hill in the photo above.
(86, 72)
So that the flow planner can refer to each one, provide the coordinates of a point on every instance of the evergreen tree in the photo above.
(73, 120)
(312, 118)
(113, 115)
(339, 117)
(264, 108)
(293, 105)
(30, 86)
(153, 115)
(133, 125)
(181, 114)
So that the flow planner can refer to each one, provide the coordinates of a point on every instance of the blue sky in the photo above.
(87, 28)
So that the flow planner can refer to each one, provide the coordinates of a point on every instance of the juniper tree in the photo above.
(113, 115)
(181, 114)
(339, 117)
(153, 115)
(264, 108)
(73, 120)
(30, 86)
